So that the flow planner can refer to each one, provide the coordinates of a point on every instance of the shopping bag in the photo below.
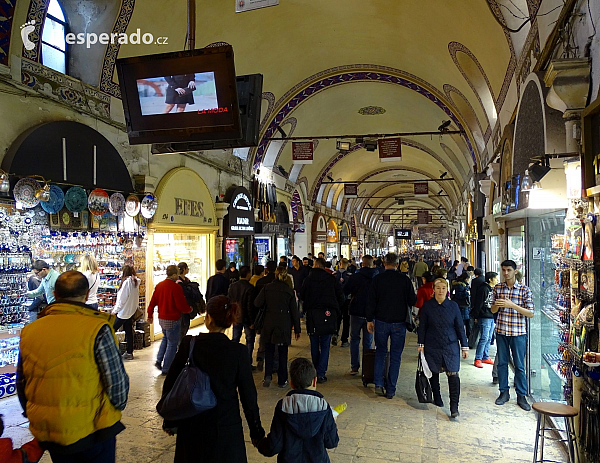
(425, 365)
(422, 386)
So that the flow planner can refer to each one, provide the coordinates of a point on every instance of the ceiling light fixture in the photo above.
(444, 174)
(538, 171)
(370, 145)
(342, 145)
(444, 126)
(440, 192)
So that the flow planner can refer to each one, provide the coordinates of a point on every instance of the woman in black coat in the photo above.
(180, 92)
(440, 329)
(217, 435)
(281, 314)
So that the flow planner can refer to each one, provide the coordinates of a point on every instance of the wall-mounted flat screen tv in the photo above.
(182, 96)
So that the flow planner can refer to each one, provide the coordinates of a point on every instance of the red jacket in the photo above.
(169, 298)
(424, 293)
(7, 455)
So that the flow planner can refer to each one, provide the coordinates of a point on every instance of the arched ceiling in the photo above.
(421, 61)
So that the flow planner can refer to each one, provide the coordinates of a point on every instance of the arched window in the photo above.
(54, 45)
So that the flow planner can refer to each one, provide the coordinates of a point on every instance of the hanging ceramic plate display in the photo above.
(76, 199)
(98, 202)
(132, 206)
(116, 204)
(149, 206)
(56, 201)
(24, 192)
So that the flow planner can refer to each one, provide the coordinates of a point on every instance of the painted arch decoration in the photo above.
(345, 75)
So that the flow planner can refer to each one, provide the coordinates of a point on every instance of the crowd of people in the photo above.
(341, 301)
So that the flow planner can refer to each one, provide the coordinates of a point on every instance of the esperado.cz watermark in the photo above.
(135, 38)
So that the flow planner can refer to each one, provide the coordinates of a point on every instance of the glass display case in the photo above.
(545, 377)
(172, 248)
(494, 255)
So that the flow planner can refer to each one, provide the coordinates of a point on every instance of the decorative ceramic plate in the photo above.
(132, 206)
(98, 202)
(116, 204)
(149, 206)
(76, 199)
(24, 192)
(56, 201)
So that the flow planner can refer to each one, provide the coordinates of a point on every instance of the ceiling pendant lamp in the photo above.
(526, 182)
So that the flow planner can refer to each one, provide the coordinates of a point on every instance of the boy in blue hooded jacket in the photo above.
(303, 425)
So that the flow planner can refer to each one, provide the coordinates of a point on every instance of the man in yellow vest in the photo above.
(70, 377)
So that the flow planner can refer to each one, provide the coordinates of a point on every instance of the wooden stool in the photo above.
(556, 410)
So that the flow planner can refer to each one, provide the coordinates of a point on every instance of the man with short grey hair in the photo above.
(391, 297)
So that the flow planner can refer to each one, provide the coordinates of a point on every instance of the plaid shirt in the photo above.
(510, 322)
(110, 364)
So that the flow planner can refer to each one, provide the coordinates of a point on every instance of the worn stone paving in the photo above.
(372, 430)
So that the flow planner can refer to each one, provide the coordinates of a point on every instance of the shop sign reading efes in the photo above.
(189, 207)
(241, 215)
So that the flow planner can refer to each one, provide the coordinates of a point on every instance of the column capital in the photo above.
(569, 81)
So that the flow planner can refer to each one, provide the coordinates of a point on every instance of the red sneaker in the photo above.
(488, 361)
(478, 364)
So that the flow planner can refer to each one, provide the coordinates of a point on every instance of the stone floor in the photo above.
(372, 430)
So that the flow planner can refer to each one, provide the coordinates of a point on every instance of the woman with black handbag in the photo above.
(440, 330)
(278, 301)
(226, 363)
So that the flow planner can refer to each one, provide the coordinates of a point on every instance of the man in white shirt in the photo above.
(464, 263)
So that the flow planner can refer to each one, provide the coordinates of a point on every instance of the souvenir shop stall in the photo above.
(183, 229)
(573, 355)
(62, 216)
(238, 226)
(60, 224)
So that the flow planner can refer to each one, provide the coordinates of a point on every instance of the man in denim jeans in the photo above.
(514, 304)
(358, 289)
(171, 302)
(391, 297)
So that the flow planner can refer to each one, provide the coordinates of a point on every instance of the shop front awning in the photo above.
(68, 152)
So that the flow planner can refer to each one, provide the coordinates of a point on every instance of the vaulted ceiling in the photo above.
(358, 67)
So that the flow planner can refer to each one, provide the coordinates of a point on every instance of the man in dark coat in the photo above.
(342, 276)
(358, 289)
(281, 314)
(232, 273)
(242, 292)
(476, 282)
(299, 272)
(323, 297)
(218, 284)
(391, 297)
(260, 284)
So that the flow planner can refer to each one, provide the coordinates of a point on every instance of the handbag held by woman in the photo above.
(191, 394)
(422, 385)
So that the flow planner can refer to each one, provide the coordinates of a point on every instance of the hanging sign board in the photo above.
(351, 190)
(248, 5)
(302, 152)
(386, 219)
(353, 227)
(390, 149)
(241, 213)
(402, 233)
(421, 189)
(423, 217)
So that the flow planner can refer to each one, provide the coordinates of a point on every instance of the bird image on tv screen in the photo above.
(177, 94)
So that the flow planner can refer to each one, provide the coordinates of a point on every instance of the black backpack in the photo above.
(194, 298)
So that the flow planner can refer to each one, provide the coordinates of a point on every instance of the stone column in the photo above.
(221, 212)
